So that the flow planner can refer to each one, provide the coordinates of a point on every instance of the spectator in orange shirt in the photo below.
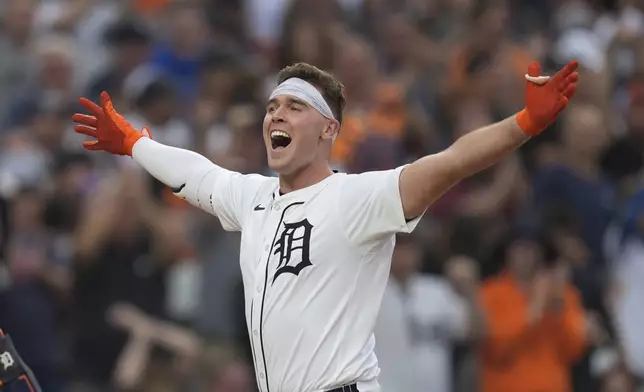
(535, 323)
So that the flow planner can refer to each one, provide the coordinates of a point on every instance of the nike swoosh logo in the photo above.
(179, 189)
(259, 207)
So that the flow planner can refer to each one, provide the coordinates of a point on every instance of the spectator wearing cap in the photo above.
(84, 22)
(53, 82)
(535, 325)
(28, 150)
(16, 17)
(155, 103)
(130, 45)
(179, 58)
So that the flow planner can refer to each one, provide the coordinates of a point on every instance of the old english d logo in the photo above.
(295, 239)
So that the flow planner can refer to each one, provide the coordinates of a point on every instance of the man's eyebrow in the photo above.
(290, 100)
(296, 101)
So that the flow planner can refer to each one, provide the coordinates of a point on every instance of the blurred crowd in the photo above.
(527, 277)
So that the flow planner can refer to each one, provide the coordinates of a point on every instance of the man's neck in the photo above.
(523, 280)
(307, 176)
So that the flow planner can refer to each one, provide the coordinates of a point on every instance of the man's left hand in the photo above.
(546, 96)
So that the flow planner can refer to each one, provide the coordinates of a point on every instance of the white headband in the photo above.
(305, 91)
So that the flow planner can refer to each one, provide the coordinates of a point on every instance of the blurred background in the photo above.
(110, 283)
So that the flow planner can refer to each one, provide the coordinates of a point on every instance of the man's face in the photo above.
(584, 131)
(293, 134)
(130, 55)
(523, 257)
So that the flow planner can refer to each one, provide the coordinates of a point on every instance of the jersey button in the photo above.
(255, 332)
(266, 247)
(261, 375)
(259, 289)
(277, 207)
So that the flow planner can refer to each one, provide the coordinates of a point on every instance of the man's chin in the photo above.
(280, 160)
(280, 165)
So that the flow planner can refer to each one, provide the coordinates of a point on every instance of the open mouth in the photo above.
(280, 139)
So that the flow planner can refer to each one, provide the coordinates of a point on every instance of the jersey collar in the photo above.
(301, 194)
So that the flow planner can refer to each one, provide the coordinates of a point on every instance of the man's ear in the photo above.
(331, 130)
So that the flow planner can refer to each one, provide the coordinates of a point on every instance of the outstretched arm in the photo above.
(427, 179)
(172, 166)
(191, 176)
(175, 167)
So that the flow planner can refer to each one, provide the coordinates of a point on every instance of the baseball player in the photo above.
(316, 245)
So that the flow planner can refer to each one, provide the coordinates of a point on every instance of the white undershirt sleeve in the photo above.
(218, 191)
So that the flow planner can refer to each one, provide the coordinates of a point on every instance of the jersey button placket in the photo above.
(261, 297)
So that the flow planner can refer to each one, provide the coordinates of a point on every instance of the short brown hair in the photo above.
(331, 88)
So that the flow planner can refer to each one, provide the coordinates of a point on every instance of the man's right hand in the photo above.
(111, 131)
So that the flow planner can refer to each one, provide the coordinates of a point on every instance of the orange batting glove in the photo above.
(546, 97)
(111, 131)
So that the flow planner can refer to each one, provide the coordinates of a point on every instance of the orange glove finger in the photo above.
(90, 107)
(561, 105)
(566, 71)
(565, 83)
(534, 69)
(570, 91)
(118, 120)
(108, 109)
(84, 119)
(92, 145)
(85, 130)
(573, 78)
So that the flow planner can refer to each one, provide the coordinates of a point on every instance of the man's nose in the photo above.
(278, 115)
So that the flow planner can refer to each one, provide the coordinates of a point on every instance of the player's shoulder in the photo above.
(259, 180)
(374, 173)
(368, 178)
(253, 186)
(263, 184)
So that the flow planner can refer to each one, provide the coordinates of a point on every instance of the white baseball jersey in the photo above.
(315, 263)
